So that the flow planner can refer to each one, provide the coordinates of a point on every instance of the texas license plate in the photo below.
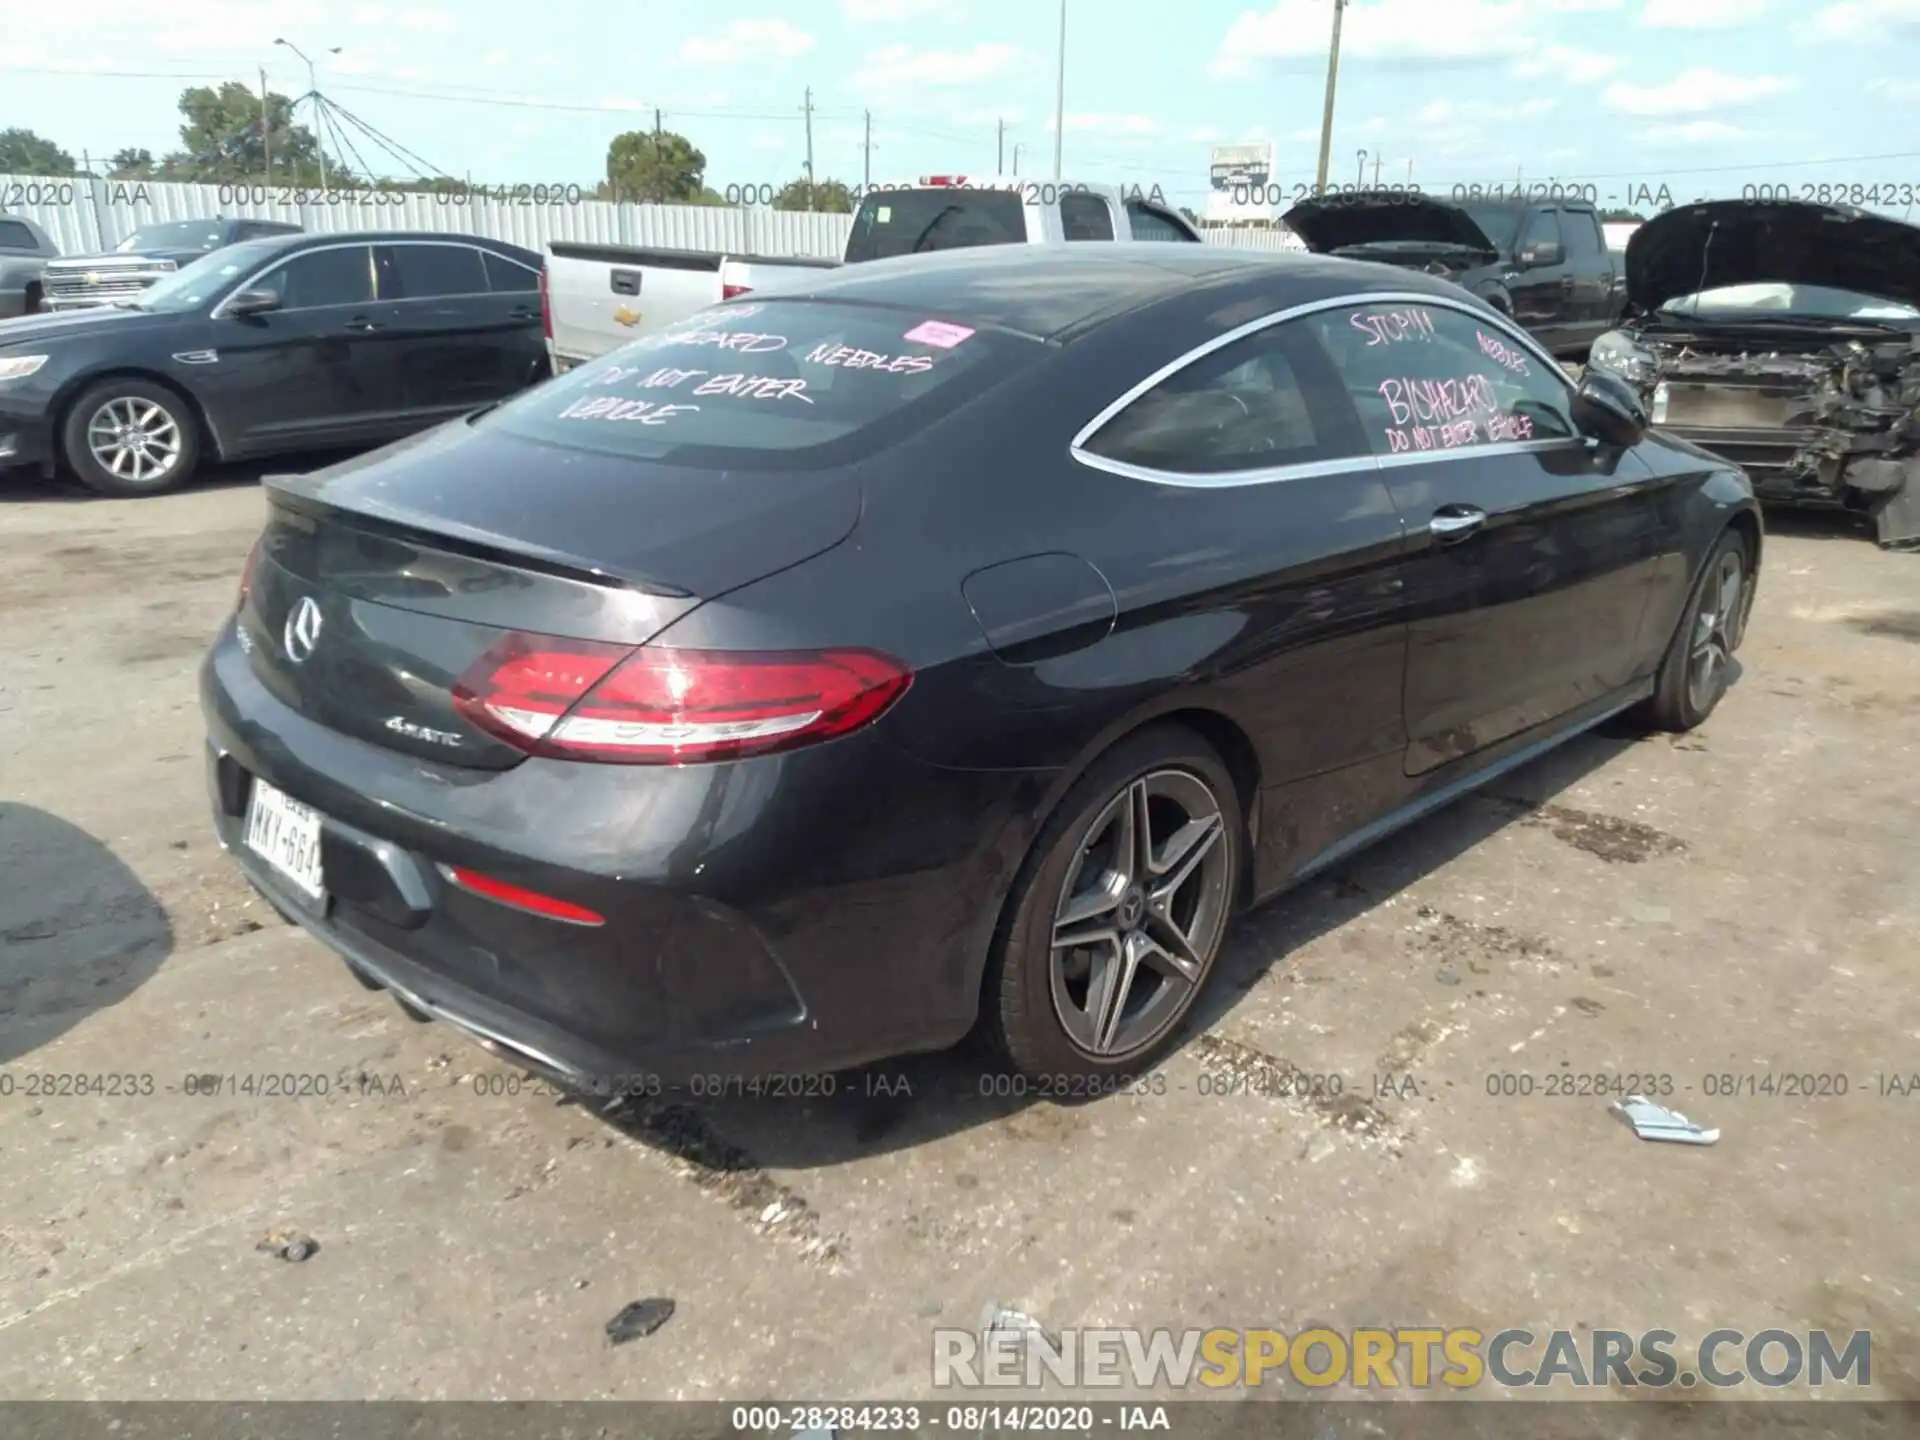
(286, 834)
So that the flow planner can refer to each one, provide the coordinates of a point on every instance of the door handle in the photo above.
(1456, 522)
(363, 323)
(523, 314)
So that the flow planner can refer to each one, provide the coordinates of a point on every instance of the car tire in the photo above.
(1154, 924)
(1693, 673)
(103, 431)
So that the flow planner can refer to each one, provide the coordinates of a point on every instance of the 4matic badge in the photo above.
(412, 731)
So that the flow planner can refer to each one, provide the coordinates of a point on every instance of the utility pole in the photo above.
(1016, 158)
(1409, 170)
(1360, 180)
(807, 110)
(313, 94)
(658, 188)
(1060, 96)
(1376, 172)
(1000, 149)
(1326, 118)
(866, 155)
(266, 127)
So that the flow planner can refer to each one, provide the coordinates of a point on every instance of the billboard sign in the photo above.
(1240, 182)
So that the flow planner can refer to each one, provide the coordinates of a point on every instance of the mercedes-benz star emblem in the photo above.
(303, 630)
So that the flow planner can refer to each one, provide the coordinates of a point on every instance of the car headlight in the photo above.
(18, 367)
(1618, 353)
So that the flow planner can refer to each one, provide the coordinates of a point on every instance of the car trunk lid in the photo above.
(381, 583)
(1339, 222)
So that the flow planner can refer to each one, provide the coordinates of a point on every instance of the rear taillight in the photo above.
(546, 306)
(246, 572)
(730, 291)
(579, 700)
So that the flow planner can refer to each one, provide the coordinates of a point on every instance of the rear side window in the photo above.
(429, 272)
(909, 222)
(778, 384)
(1085, 217)
(1424, 378)
(1261, 402)
(15, 236)
(508, 278)
(1581, 230)
(1149, 224)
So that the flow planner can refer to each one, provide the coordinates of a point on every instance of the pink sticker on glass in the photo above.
(938, 332)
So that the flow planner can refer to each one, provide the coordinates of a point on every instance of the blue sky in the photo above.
(1702, 95)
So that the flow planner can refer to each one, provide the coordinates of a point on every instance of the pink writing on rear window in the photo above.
(1503, 352)
(1383, 327)
(848, 358)
(937, 332)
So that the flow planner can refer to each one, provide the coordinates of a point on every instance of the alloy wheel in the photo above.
(1140, 914)
(135, 439)
(1716, 630)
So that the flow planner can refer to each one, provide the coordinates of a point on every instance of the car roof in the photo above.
(1058, 292)
(310, 239)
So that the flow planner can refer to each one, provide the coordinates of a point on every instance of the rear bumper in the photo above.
(762, 918)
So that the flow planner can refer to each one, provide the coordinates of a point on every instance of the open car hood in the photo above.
(1741, 242)
(1333, 222)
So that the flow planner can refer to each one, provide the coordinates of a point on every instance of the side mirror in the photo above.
(1545, 252)
(253, 302)
(1609, 410)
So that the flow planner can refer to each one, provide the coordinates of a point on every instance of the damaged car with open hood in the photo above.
(1783, 336)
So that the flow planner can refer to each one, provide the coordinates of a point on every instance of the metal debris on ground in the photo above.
(1657, 1122)
(640, 1319)
(288, 1245)
(1003, 1319)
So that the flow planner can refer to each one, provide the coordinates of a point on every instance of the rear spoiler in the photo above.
(665, 259)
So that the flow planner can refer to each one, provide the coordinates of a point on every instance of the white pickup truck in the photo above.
(599, 297)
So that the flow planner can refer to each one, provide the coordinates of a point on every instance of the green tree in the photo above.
(221, 139)
(830, 196)
(660, 169)
(1192, 218)
(24, 153)
(131, 164)
(1622, 215)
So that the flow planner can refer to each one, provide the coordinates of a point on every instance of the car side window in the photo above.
(1581, 231)
(508, 277)
(1427, 378)
(1149, 224)
(15, 236)
(1267, 400)
(1085, 217)
(432, 272)
(1542, 228)
(339, 276)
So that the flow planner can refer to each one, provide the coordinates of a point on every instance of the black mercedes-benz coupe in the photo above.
(959, 640)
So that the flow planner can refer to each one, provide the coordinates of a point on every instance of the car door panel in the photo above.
(1542, 294)
(464, 344)
(1531, 551)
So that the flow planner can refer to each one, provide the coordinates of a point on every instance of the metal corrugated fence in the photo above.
(85, 216)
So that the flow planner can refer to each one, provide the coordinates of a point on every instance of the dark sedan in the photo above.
(961, 640)
(300, 342)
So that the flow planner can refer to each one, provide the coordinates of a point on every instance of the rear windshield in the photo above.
(175, 235)
(769, 384)
(908, 222)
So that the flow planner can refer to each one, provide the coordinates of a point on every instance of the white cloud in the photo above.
(1864, 19)
(893, 69)
(1111, 124)
(1205, 135)
(1694, 92)
(1701, 14)
(1373, 30)
(495, 58)
(747, 40)
(1453, 112)
(1695, 132)
(1564, 62)
(1901, 92)
(416, 19)
(887, 12)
